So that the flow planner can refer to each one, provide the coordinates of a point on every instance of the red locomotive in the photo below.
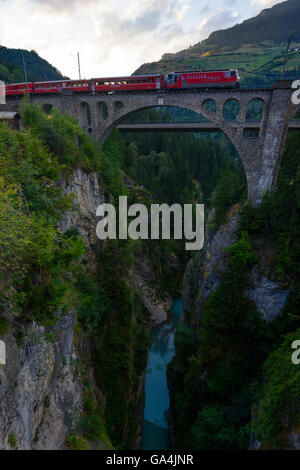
(174, 81)
(202, 79)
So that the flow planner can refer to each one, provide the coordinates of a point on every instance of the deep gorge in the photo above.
(77, 314)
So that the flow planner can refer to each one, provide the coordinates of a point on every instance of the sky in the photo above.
(115, 37)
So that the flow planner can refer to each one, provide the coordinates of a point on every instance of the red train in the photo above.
(173, 81)
(203, 79)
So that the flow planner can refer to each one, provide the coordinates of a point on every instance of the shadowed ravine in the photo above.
(157, 401)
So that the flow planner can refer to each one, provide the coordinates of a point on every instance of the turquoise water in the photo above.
(157, 400)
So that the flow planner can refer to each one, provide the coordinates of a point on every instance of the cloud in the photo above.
(113, 36)
(64, 5)
(265, 3)
(221, 20)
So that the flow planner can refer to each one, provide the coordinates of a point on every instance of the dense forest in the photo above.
(233, 376)
(232, 383)
(45, 271)
(12, 66)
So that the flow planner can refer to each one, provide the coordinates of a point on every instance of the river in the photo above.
(157, 399)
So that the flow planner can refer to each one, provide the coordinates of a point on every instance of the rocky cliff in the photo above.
(41, 385)
(263, 291)
(204, 273)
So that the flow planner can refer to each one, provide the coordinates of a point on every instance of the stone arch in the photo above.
(224, 127)
(85, 116)
(210, 105)
(101, 111)
(231, 109)
(255, 110)
(118, 105)
(47, 108)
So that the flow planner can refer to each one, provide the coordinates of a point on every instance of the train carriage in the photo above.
(17, 89)
(61, 86)
(134, 83)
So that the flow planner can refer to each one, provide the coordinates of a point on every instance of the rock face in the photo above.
(41, 393)
(88, 196)
(268, 297)
(204, 272)
(40, 390)
(40, 387)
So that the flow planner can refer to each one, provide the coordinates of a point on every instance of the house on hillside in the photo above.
(13, 119)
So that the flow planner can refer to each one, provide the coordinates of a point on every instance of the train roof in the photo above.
(128, 76)
(202, 71)
(62, 81)
(21, 83)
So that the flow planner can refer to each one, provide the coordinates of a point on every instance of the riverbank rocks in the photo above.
(144, 280)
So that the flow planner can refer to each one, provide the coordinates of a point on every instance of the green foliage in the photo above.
(37, 68)
(62, 136)
(231, 188)
(121, 357)
(77, 443)
(278, 217)
(237, 362)
(220, 364)
(213, 431)
(242, 254)
(90, 427)
(94, 304)
(181, 168)
(24, 161)
(4, 325)
(278, 410)
(12, 441)
(44, 272)
(111, 163)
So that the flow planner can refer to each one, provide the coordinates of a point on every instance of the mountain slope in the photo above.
(38, 69)
(257, 47)
(272, 24)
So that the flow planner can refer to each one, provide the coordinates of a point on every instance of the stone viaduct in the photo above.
(261, 155)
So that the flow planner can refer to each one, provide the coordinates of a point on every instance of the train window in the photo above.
(233, 73)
